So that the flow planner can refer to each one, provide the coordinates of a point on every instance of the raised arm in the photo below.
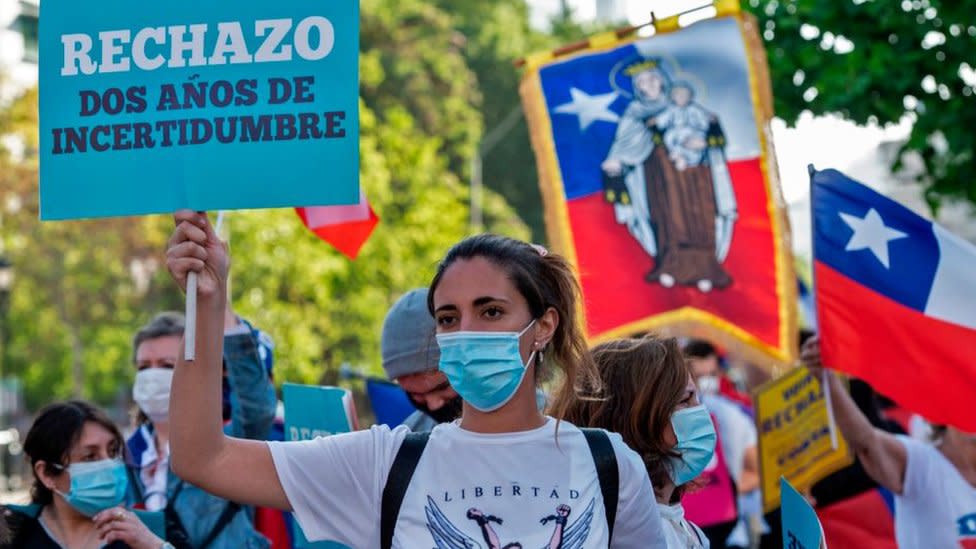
(881, 454)
(252, 396)
(749, 479)
(234, 469)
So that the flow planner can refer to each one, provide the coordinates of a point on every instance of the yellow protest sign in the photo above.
(794, 435)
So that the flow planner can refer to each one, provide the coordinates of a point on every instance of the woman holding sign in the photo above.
(934, 484)
(653, 403)
(504, 475)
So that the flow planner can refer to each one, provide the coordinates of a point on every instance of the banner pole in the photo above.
(825, 385)
(190, 329)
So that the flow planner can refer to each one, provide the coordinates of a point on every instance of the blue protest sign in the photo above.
(201, 104)
(801, 527)
(391, 405)
(312, 411)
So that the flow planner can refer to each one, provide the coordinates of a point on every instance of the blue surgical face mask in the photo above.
(485, 368)
(696, 443)
(96, 485)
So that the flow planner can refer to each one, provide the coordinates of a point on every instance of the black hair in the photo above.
(56, 430)
(804, 335)
(697, 348)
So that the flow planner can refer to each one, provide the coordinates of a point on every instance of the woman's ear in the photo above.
(41, 472)
(545, 328)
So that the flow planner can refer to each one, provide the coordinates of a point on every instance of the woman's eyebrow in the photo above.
(488, 299)
(88, 448)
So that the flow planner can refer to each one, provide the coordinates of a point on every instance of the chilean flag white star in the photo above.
(871, 233)
(589, 108)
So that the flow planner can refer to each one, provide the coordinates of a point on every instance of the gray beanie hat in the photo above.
(408, 345)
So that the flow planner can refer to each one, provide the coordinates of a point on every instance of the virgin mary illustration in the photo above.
(667, 178)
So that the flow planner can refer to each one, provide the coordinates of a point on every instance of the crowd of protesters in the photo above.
(637, 443)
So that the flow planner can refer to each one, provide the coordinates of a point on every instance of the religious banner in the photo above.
(796, 438)
(660, 185)
(158, 106)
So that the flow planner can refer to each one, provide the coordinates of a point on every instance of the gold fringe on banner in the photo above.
(610, 38)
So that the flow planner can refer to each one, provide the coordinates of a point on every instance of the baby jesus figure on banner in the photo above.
(685, 125)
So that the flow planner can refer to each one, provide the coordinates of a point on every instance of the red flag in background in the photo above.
(345, 227)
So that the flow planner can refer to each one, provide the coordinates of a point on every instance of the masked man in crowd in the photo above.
(410, 357)
(249, 409)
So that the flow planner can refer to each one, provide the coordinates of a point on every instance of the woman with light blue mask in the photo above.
(80, 482)
(651, 400)
(503, 476)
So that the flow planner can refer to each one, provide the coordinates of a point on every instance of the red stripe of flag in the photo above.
(923, 363)
(346, 228)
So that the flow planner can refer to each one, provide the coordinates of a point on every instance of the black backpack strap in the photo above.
(175, 530)
(397, 482)
(222, 521)
(606, 469)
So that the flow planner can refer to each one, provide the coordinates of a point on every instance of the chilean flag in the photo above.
(345, 227)
(896, 300)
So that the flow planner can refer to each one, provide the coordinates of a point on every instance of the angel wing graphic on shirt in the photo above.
(445, 534)
(448, 536)
(576, 533)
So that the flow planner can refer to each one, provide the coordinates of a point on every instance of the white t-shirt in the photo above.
(468, 488)
(680, 533)
(937, 506)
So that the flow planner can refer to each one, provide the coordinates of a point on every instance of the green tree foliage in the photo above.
(82, 288)
(411, 59)
(493, 34)
(79, 286)
(874, 61)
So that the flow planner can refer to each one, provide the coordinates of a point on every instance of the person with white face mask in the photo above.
(251, 408)
(651, 400)
(503, 475)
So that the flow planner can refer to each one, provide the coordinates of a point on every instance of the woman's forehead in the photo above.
(95, 434)
(467, 280)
